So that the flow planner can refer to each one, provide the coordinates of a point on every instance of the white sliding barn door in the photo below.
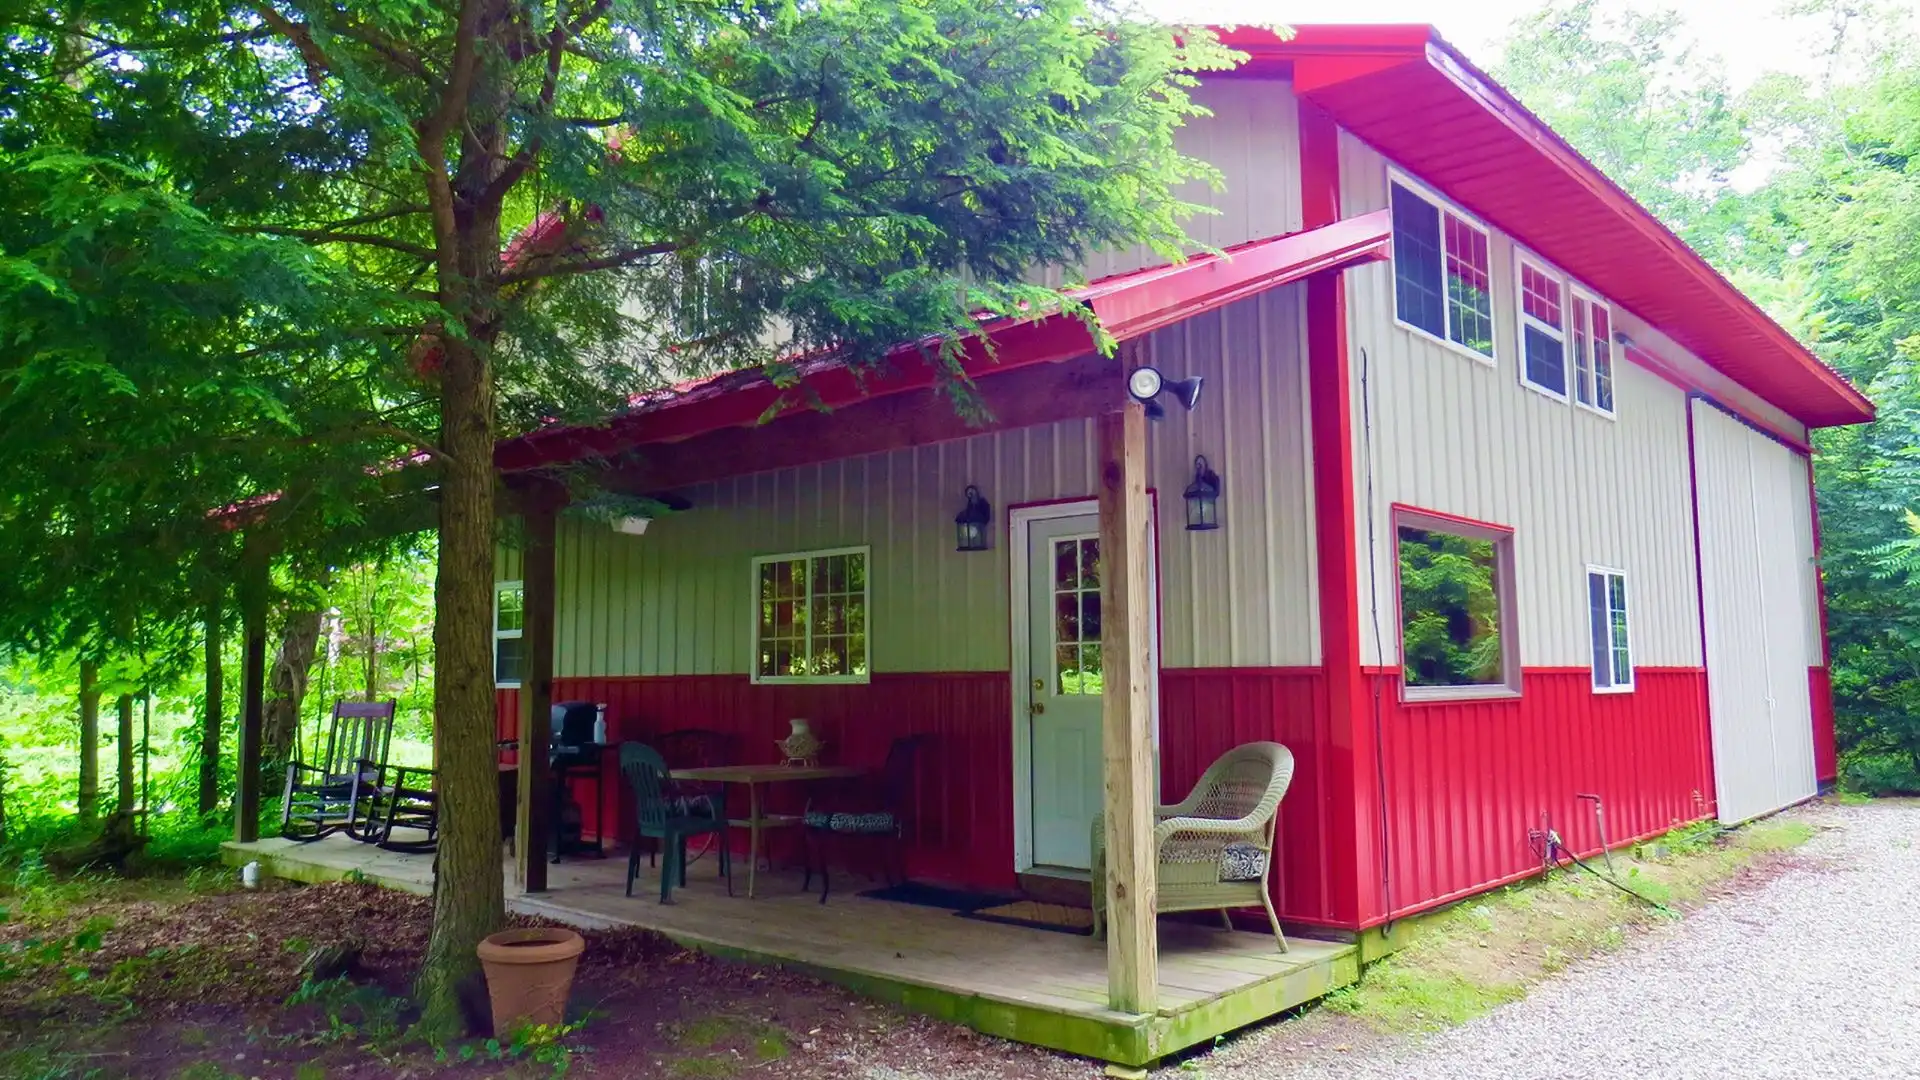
(1754, 584)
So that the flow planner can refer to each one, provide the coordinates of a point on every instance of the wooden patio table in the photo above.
(755, 777)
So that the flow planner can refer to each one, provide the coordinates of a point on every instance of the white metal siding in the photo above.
(1757, 584)
(678, 600)
(1253, 138)
(1452, 434)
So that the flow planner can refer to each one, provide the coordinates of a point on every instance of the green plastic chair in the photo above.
(661, 818)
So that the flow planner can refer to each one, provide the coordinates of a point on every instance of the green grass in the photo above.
(1480, 954)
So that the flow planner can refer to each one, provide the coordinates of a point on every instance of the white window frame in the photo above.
(1593, 300)
(753, 623)
(1506, 581)
(1522, 259)
(1586, 606)
(1445, 206)
(500, 635)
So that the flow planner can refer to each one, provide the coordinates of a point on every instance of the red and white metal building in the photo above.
(1435, 324)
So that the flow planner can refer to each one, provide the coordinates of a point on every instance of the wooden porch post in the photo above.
(1133, 968)
(533, 822)
(255, 580)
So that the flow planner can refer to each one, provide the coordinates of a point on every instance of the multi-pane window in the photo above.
(1442, 272)
(509, 620)
(1607, 627)
(1076, 616)
(1543, 355)
(811, 618)
(1592, 334)
(1456, 589)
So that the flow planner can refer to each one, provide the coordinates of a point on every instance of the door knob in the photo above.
(1038, 708)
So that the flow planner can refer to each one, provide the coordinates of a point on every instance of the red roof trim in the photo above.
(1405, 87)
(1128, 305)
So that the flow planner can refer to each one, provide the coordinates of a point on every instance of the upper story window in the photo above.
(1592, 352)
(811, 617)
(509, 619)
(1543, 333)
(1442, 271)
(1457, 634)
(1607, 626)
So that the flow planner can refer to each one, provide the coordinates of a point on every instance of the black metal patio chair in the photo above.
(334, 793)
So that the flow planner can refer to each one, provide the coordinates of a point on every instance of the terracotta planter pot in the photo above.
(529, 975)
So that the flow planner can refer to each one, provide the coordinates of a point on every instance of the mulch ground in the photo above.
(199, 986)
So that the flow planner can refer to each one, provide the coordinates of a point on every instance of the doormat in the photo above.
(934, 896)
(1063, 918)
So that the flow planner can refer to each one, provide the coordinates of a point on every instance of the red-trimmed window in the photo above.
(1442, 271)
(1456, 603)
(1543, 336)
(1592, 338)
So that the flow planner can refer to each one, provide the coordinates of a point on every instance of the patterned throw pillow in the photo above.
(874, 824)
(1241, 861)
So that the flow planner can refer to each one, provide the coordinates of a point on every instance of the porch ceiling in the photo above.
(1128, 305)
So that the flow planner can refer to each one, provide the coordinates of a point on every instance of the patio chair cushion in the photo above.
(1241, 861)
(878, 823)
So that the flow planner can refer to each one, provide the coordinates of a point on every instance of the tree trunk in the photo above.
(287, 687)
(89, 741)
(123, 755)
(373, 656)
(469, 899)
(210, 723)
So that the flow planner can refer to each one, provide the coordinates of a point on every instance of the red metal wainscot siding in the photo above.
(1466, 780)
(1826, 753)
(964, 827)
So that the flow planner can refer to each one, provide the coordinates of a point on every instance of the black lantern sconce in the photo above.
(1146, 384)
(970, 524)
(1203, 497)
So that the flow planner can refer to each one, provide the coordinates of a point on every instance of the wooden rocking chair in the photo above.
(334, 793)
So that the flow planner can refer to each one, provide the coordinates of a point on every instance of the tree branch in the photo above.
(326, 236)
(614, 261)
(301, 37)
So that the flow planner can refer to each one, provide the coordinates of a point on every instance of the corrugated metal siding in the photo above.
(1454, 435)
(1466, 781)
(1756, 582)
(677, 600)
(1253, 139)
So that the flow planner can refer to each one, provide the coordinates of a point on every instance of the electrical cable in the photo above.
(1379, 646)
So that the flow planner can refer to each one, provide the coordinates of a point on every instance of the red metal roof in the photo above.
(1128, 305)
(1414, 98)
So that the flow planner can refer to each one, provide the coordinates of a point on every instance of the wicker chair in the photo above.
(1214, 850)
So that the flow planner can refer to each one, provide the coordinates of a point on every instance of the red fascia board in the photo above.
(1204, 284)
(1128, 306)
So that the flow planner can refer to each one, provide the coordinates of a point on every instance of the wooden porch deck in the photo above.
(1034, 986)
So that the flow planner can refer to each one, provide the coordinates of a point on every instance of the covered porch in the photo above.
(1044, 987)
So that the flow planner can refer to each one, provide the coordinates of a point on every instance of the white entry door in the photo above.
(1063, 686)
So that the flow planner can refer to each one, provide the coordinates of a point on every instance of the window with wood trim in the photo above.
(509, 620)
(1456, 607)
(1442, 272)
(810, 620)
(1607, 629)
(1543, 335)
(1592, 338)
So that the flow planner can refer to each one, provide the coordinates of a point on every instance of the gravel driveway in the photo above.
(1815, 973)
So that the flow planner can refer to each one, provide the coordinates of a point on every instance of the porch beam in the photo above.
(533, 811)
(1126, 712)
(1025, 397)
(255, 582)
